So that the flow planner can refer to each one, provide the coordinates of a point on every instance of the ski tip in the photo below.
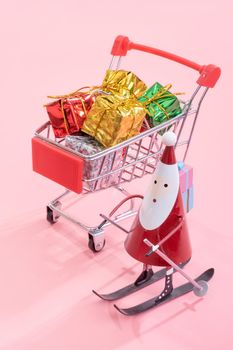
(96, 293)
(107, 297)
(211, 272)
(120, 310)
(207, 275)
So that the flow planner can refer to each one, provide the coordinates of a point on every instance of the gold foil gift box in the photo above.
(114, 118)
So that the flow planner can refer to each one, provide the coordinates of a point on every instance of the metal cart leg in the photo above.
(96, 234)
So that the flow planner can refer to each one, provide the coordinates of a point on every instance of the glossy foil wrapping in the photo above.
(114, 118)
(161, 104)
(121, 80)
(93, 168)
(67, 114)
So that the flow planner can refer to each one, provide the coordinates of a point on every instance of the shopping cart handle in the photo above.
(209, 74)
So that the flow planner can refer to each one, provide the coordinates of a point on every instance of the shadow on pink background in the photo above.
(47, 272)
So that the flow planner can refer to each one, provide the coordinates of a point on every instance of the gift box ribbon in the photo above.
(74, 94)
(161, 94)
(124, 102)
(186, 176)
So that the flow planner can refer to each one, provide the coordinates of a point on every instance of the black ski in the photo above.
(132, 288)
(176, 293)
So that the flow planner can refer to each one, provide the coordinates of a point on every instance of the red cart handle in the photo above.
(209, 74)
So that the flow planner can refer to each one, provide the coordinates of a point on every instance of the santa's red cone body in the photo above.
(162, 210)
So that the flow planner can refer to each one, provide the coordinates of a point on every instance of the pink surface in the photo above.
(47, 272)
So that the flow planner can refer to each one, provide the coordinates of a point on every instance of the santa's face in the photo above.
(160, 197)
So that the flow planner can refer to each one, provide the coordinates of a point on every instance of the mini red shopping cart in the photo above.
(51, 157)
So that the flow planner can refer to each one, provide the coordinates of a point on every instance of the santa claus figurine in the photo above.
(161, 220)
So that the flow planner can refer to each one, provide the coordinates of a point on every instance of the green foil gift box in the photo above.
(160, 103)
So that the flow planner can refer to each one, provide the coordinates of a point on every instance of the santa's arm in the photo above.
(125, 200)
(106, 219)
(169, 235)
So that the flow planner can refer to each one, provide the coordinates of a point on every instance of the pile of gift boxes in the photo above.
(94, 118)
(114, 111)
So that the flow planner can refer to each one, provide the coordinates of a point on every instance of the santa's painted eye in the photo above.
(166, 185)
(155, 182)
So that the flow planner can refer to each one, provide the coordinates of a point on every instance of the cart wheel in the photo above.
(95, 247)
(52, 216)
(204, 288)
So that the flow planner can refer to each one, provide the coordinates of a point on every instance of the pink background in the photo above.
(47, 272)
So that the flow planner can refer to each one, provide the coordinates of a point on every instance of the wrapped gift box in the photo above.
(188, 199)
(67, 114)
(114, 119)
(186, 185)
(160, 103)
(88, 146)
(121, 81)
(186, 176)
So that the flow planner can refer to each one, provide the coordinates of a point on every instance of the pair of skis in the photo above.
(154, 302)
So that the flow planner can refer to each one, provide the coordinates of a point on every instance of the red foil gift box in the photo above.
(68, 112)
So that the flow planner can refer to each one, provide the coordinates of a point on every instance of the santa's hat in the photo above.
(168, 156)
